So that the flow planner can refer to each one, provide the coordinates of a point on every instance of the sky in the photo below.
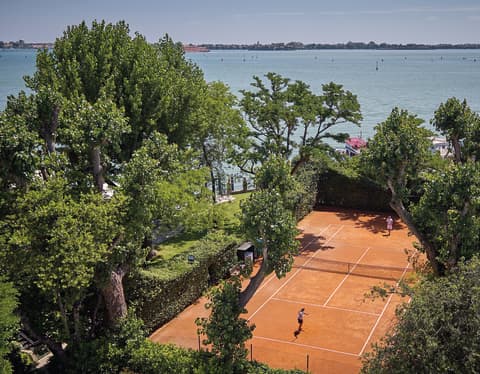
(249, 21)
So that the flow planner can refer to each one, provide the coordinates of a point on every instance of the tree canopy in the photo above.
(92, 161)
(9, 322)
(268, 222)
(438, 331)
(287, 119)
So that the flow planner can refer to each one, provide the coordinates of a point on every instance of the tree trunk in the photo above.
(212, 176)
(49, 129)
(299, 162)
(63, 314)
(50, 138)
(114, 297)
(397, 205)
(455, 242)
(255, 281)
(76, 321)
(95, 321)
(457, 149)
(96, 160)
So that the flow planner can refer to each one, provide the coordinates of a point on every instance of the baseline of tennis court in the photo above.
(344, 254)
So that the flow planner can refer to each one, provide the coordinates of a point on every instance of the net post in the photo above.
(251, 352)
(308, 362)
(199, 349)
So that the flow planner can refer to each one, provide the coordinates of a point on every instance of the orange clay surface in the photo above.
(340, 323)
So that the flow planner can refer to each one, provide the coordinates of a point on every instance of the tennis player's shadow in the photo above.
(296, 333)
(311, 243)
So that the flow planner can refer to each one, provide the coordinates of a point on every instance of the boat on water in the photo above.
(194, 48)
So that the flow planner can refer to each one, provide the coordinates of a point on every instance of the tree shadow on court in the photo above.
(311, 243)
(373, 222)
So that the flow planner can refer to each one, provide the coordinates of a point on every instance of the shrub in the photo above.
(159, 293)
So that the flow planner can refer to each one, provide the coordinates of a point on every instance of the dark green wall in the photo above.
(339, 190)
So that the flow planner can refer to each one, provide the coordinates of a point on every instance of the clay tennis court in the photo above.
(344, 254)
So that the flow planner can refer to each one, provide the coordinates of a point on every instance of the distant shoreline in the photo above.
(295, 46)
(291, 46)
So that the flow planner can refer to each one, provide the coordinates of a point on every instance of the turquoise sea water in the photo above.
(14, 64)
(415, 80)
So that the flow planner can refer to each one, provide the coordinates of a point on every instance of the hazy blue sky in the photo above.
(248, 21)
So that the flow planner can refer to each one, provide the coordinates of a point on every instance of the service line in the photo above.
(327, 307)
(293, 276)
(273, 276)
(305, 345)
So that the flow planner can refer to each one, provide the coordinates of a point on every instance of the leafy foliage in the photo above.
(438, 331)
(220, 128)
(52, 247)
(461, 126)
(444, 217)
(164, 288)
(272, 227)
(284, 111)
(8, 322)
(225, 330)
(398, 152)
(97, 157)
(448, 212)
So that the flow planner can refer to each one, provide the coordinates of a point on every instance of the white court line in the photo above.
(345, 278)
(327, 307)
(320, 233)
(306, 345)
(273, 276)
(293, 276)
(381, 315)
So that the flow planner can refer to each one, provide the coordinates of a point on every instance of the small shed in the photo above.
(245, 252)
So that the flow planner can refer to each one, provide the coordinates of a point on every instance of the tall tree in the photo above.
(443, 215)
(52, 246)
(268, 221)
(395, 157)
(447, 214)
(287, 119)
(224, 329)
(461, 126)
(105, 110)
(154, 85)
(220, 129)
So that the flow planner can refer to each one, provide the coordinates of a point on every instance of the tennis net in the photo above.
(362, 270)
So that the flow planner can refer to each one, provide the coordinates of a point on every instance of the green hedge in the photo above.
(355, 192)
(307, 177)
(160, 292)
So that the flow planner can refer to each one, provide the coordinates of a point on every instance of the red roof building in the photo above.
(353, 146)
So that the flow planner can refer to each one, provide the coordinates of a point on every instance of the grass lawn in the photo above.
(228, 213)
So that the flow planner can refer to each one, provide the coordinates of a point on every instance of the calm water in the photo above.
(415, 80)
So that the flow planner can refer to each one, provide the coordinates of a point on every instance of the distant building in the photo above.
(440, 145)
(20, 44)
(194, 48)
(353, 146)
